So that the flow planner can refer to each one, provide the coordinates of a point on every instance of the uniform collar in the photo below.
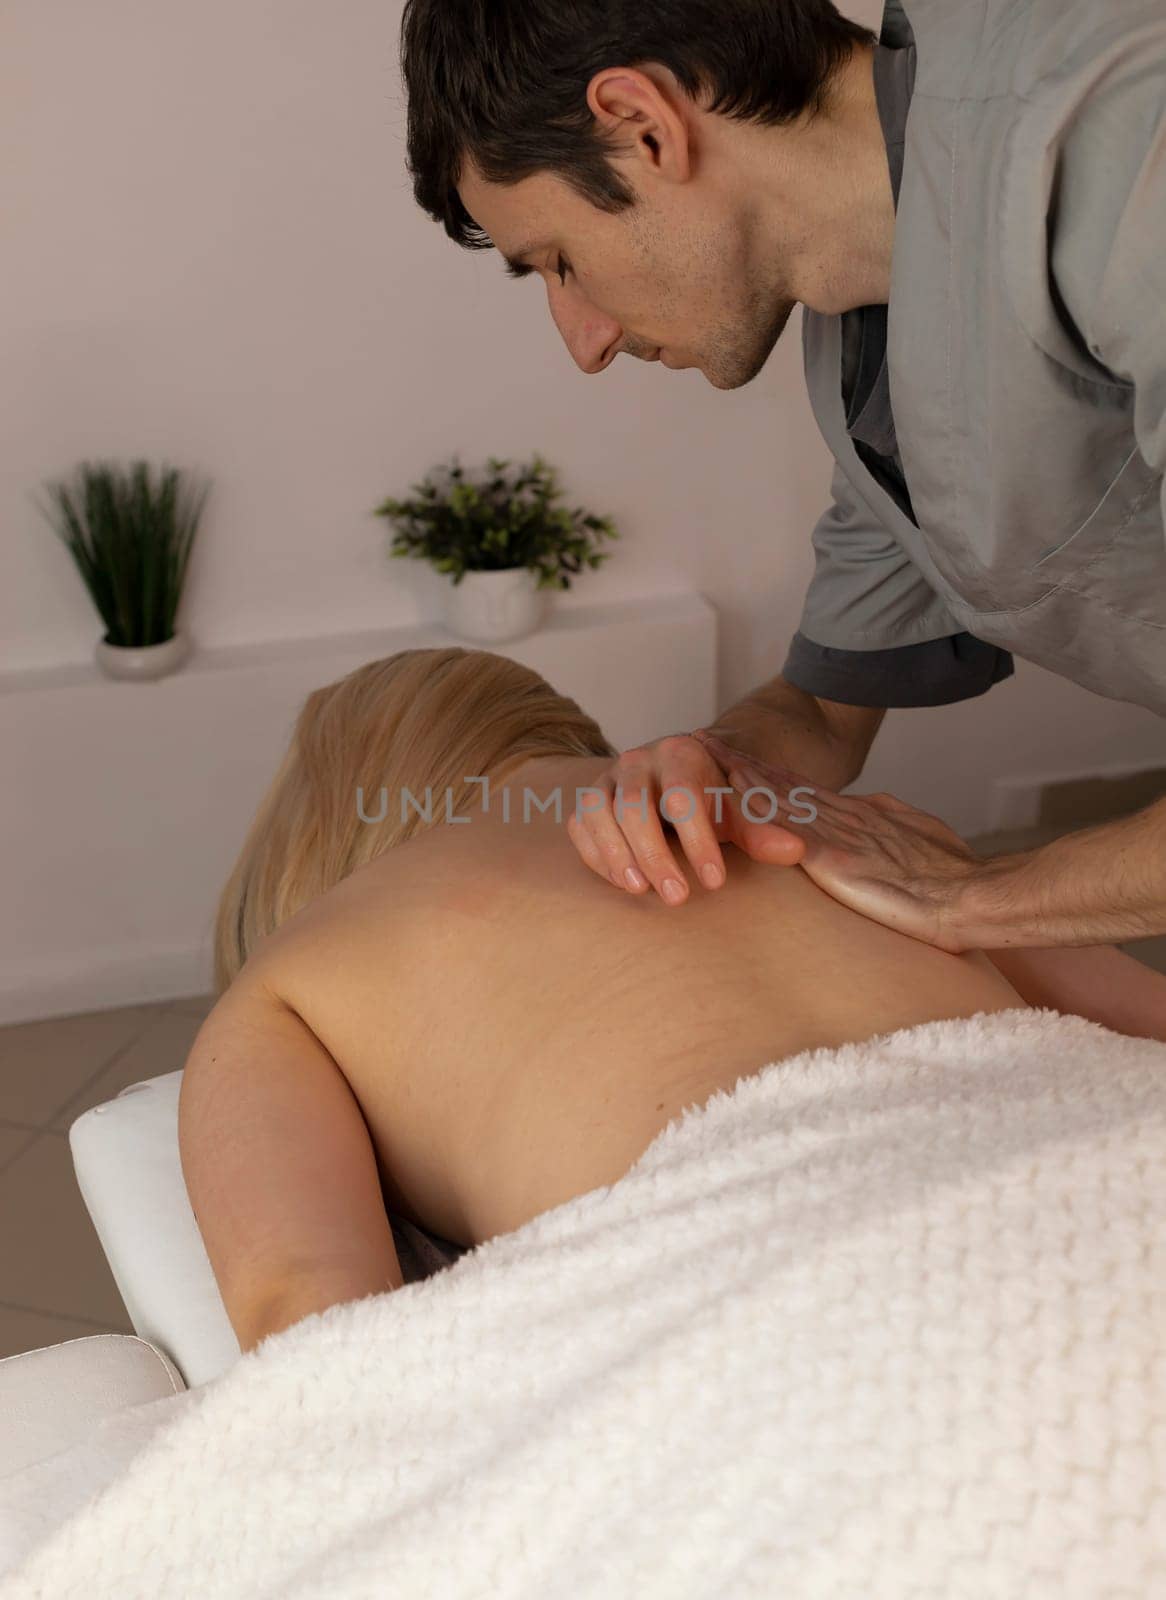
(895, 30)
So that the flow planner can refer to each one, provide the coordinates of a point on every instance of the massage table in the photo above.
(126, 1160)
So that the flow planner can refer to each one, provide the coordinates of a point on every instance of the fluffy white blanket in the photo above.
(885, 1321)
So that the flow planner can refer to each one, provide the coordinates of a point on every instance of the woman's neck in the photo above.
(558, 783)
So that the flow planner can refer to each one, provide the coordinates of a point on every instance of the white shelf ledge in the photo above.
(562, 624)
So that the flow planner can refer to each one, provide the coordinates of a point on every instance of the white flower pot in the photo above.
(143, 662)
(491, 606)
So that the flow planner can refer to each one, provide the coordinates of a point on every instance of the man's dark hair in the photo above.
(504, 82)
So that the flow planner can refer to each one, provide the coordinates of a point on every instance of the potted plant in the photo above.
(500, 539)
(131, 541)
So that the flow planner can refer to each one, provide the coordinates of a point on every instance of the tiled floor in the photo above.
(55, 1283)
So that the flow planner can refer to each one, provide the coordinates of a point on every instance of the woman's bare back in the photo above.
(516, 1031)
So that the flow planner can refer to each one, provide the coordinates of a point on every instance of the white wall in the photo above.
(212, 256)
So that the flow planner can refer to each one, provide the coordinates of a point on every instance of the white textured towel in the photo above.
(883, 1322)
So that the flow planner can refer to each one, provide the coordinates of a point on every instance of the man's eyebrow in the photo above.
(516, 267)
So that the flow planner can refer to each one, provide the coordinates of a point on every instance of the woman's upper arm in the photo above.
(1098, 982)
(278, 1161)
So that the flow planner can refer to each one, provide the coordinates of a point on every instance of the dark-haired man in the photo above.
(972, 212)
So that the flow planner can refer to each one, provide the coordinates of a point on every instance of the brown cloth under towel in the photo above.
(421, 1253)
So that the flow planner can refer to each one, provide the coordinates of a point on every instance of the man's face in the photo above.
(673, 277)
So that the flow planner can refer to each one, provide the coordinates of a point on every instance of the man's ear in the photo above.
(646, 117)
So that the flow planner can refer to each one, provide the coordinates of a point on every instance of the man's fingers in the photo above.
(586, 846)
(778, 847)
(686, 805)
(788, 801)
(672, 790)
(677, 782)
(888, 802)
(637, 819)
(625, 827)
(601, 840)
(646, 790)
(682, 802)
(763, 770)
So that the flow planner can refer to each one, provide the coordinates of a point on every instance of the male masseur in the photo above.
(681, 173)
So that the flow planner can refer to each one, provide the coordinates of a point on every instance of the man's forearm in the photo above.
(1098, 886)
(783, 725)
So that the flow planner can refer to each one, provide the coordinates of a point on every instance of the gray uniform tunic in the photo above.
(1025, 366)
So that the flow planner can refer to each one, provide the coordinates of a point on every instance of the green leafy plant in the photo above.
(505, 519)
(131, 541)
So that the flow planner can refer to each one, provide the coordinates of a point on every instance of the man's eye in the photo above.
(562, 269)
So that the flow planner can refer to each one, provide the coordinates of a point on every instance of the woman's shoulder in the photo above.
(352, 957)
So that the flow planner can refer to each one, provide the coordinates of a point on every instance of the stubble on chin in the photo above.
(737, 363)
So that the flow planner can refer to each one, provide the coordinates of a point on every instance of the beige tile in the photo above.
(13, 1139)
(44, 1064)
(21, 1329)
(50, 1257)
(1151, 951)
(163, 1046)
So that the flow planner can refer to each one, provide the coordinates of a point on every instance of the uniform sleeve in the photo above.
(937, 672)
(873, 632)
(1109, 247)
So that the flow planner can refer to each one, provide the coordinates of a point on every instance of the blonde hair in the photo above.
(418, 719)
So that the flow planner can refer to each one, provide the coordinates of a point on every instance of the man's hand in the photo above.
(874, 853)
(674, 781)
(910, 871)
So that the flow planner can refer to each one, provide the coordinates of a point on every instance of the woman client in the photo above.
(448, 1017)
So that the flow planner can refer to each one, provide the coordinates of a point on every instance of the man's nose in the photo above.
(592, 337)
